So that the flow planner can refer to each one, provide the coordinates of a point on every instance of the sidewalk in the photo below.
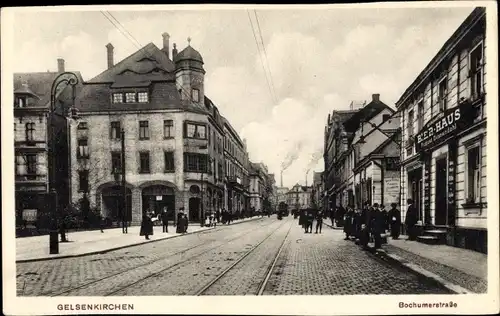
(460, 270)
(90, 242)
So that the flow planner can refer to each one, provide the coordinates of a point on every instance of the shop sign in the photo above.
(30, 215)
(392, 163)
(453, 119)
(159, 197)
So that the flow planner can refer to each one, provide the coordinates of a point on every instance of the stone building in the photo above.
(237, 164)
(34, 170)
(444, 131)
(173, 134)
(258, 177)
(299, 197)
(317, 190)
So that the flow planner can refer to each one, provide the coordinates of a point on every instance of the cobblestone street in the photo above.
(229, 260)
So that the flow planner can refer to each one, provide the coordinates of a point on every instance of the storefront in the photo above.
(446, 181)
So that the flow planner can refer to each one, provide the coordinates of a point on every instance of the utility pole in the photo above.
(124, 187)
(201, 202)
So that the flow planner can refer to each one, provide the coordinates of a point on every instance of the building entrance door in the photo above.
(441, 198)
(416, 189)
(194, 209)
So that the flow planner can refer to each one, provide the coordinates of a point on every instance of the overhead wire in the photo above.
(260, 57)
(265, 55)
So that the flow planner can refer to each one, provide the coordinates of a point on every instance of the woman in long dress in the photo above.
(146, 226)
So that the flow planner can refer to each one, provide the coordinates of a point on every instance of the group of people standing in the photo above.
(147, 222)
(307, 217)
(371, 221)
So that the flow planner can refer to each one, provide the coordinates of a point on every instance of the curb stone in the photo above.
(416, 269)
(99, 252)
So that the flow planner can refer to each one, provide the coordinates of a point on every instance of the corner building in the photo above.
(173, 136)
(443, 157)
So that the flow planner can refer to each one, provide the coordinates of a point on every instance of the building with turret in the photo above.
(174, 137)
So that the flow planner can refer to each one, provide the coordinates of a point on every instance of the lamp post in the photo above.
(71, 79)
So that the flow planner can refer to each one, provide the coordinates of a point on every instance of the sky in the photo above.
(319, 59)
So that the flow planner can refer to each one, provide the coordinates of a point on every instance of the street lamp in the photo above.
(71, 79)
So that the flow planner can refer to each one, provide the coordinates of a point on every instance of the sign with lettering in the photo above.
(453, 119)
(392, 163)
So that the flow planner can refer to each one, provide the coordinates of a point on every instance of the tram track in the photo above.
(67, 292)
(270, 268)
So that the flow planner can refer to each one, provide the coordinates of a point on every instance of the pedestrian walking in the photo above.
(146, 226)
(377, 225)
(349, 222)
(185, 223)
(309, 221)
(164, 219)
(319, 221)
(302, 218)
(180, 223)
(411, 220)
(394, 216)
(217, 216)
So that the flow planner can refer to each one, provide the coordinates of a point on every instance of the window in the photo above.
(195, 95)
(83, 149)
(30, 129)
(169, 161)
(117, 97)
(195, 162)
(143, 130)
(30, 165)
(443, 91)
(130, 97)
(82, 125)
(196, 131)
(144, 162)
(83, 177)
(420, 114)
(473, 174)
(476, 71)
(168, 128)
(142, 97)
(220, 171)
(411, 118)
(116, 162)
(115, 131)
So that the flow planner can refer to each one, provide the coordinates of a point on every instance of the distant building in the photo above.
(317, 190)
(299, 197)
(32, 138)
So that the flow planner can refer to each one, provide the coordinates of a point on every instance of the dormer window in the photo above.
(21, 102)
(142, 97)
(130, 97)
(117, 97)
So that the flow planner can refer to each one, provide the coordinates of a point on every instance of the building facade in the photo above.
(174, 137)
(299, 197)
(317, 190)
(34, 168)
(350, 137)
(444, 131)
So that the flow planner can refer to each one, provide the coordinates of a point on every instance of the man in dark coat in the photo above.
(164, 220)
(376, 225)
(348, 222)
(364, 221)
(180, 223)
(146, 226)
(340, 216)
(302, 218)
(394, 217)
(309, 221)
(411, 220)
(319, 221)
(217, 216)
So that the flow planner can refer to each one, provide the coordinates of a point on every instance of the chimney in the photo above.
(110, 48)
(174, 51)
(60, 65)
(166, 45)
(376, 97)
(281, 178)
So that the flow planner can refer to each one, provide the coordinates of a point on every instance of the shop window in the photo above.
(473, 188)
(476, 71)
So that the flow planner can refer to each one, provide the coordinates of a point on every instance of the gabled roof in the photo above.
(149, 59)
(366, 113)
(40, 83)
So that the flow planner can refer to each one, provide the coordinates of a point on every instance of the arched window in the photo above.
(30, 129)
